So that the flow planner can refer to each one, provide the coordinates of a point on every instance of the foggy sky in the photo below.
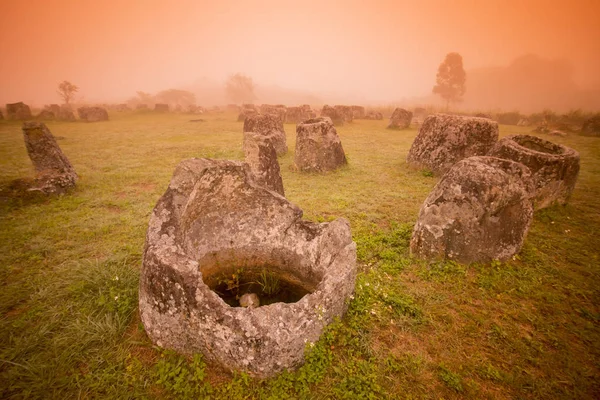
(376, 51)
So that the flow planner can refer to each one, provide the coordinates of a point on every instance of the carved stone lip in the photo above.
(555, 167)
(212, 216)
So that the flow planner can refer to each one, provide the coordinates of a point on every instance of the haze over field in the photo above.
(518, 54)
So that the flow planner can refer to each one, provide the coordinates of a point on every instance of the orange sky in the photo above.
(375, 50)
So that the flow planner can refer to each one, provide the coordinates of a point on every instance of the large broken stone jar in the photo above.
(215, 225)
(478, 212)
(554, 167)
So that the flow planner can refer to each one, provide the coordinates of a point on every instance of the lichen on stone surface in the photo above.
(214, 216)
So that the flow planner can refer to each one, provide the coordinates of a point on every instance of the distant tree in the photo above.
(175, 97)
(67, 91)
(240, 88)
(450, 79)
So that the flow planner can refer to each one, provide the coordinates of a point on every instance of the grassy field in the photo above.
(525, 329)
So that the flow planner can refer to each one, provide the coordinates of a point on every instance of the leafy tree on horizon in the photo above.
(450, 79)
(66, 90)
(240, 89)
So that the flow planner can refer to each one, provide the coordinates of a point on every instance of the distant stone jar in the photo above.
(18, 111)
(591, 126)
(554, 167)
(215, 232)
(443, 140)
(295, 115)
(335, 114)
(400, 119)
(318, 146)
(346, 112)
(358, 112)
(65, 114)
(161, 107)
(92, 114)
(479, 211)
(270, 126)
(245, 113)
(45, 115)
(374, 115)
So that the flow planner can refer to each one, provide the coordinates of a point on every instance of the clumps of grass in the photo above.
(269, 282)
(109, 287)
(182, 378)
(71, 334)
(451, 379)
(402, 305)
(443, 270)
(359, 381)
(387, 250)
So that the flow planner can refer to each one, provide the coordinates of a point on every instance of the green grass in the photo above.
(528, 328)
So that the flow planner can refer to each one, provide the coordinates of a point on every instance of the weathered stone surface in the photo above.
(65, 113)
(213, 219)
(18, 111)
(479, 211)
(141, 107)
(55, 108)
(92, 114)
(161, 107)
(262, 159)
(245, 113)
(45, 115)
(296, 115)
(318, 146)
(554, 167)
(279, 110)
(591, 126)
(420, 112)
(307, 109)
(400, 119)
(270, 126)
(55, 174)
(346, 112)
(336, 117)
(358, 112)
(445, 139)
(1, 115)
(374, 115)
